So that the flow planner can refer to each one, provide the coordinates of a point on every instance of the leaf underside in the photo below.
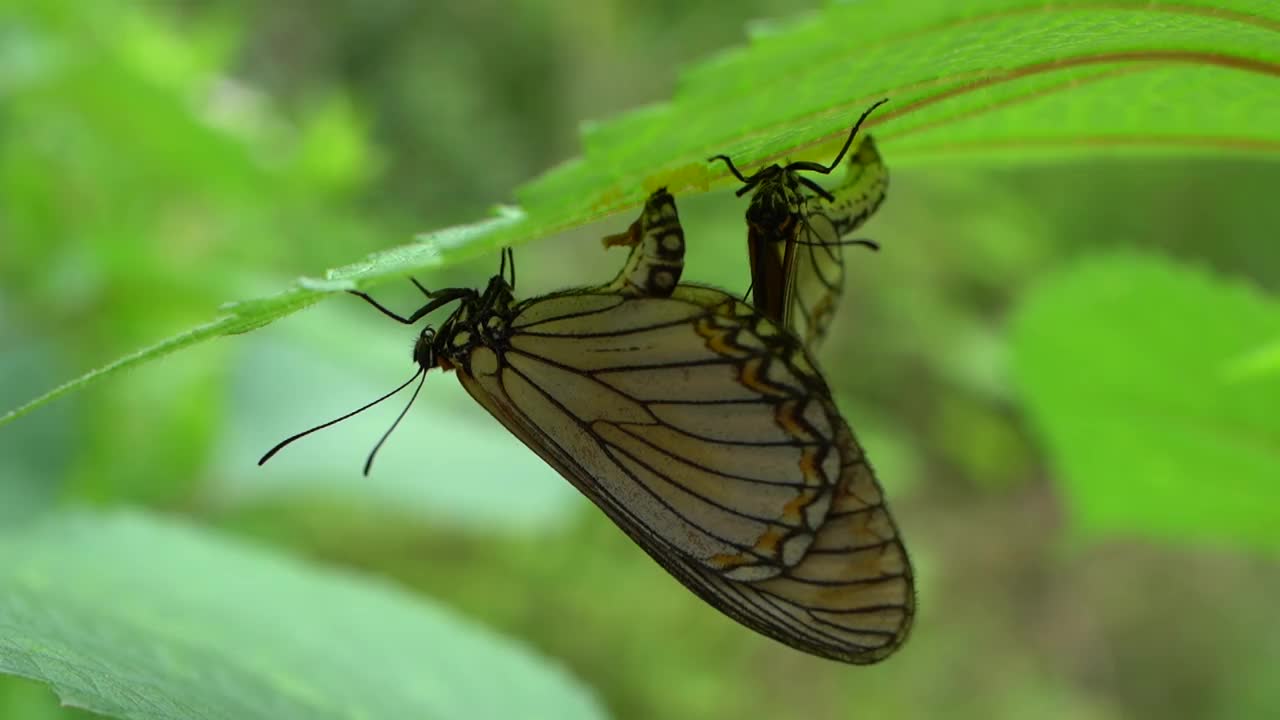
(984, 81)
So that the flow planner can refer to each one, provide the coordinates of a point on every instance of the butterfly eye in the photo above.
(424, 349)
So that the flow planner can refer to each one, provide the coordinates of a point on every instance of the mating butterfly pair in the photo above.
(698, 423)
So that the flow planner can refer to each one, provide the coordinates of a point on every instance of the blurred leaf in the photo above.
(1126, 365)
(23, 699)
(1256, 364)
(1009, 78)
(333, 154)
(137, 617)
(163, 425)
(981, 440)
(33, 456)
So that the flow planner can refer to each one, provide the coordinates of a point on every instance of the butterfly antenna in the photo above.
(368, 464)
(732, 168)
(827, 169)
(849, 140)
(305, 433)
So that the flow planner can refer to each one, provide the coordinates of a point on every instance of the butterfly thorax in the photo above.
(481, 320)
(777, 202)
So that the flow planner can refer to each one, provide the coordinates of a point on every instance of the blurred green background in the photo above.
(158, 159)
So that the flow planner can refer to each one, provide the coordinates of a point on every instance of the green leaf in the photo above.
(137, 617)
(1256, 364)
(240, 317)
(1129, 369)
(1007, 79)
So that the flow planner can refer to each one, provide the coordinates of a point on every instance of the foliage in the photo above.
(1150, 385)
(137, 617)
(1014, 75)
(1071, 325)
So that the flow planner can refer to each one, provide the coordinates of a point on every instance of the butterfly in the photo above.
(699, 427)
(796, 230)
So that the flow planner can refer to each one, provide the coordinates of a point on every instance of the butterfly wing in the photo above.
(814, 259)
(814, 275)
(851, 599)
(704, 432)
(670, 411)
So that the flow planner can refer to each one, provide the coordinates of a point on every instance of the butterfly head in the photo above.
(424, 349)
(477, 318)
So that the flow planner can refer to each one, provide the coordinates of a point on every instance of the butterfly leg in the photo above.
(420, 287)
(438, 300)
(869, 244)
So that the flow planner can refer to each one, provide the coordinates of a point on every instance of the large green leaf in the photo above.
(1140, 376)
(137, 617)
(1007, 79)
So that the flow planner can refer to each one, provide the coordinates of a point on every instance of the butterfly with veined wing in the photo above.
(796, 239)
(700, 428)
